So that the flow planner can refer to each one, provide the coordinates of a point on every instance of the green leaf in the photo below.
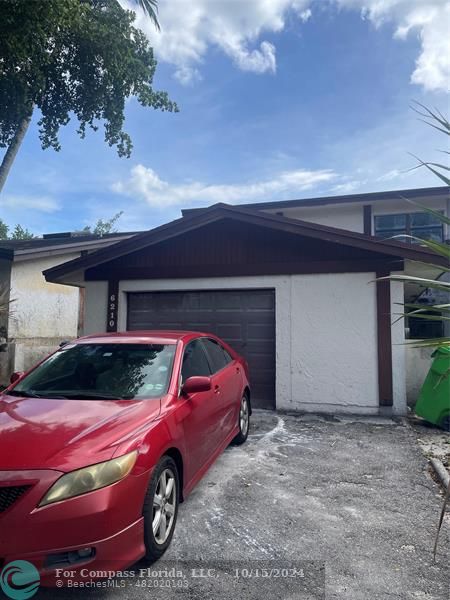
(420, 281)
(423, 316)
(439, 215)
(432, 307)
(428, 114)
(74, 59)
(427, 165)
(437, 247)
(431, 343)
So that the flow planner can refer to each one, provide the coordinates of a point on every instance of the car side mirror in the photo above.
(195, 384)
(15, 376)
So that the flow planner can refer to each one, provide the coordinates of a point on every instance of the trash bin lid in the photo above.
(442, 350)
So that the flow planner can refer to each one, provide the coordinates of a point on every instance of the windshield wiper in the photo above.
(33, 394)
(24, 393)
(73, 395)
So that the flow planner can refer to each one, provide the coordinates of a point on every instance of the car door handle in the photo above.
(216, 389)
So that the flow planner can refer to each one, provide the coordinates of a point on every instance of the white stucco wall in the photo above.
(326, 340)
(96, 302)
(343, 216)
(43, 313)
(399, 375)
(351, 216)
(418, 362)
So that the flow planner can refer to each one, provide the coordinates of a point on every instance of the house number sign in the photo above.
(113, 298)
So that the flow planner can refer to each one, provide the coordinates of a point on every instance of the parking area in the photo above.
(351, 495)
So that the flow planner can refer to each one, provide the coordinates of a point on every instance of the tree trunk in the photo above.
(13, 148)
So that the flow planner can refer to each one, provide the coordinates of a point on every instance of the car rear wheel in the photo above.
(445, 423)
(244, 421)
(161, 508)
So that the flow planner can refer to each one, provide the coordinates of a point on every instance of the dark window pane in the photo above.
(428, 233)
(216, 354)
(195, 362)
(424, 219)
(390, 222)
(422, 329)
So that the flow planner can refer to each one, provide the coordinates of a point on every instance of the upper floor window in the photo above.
(421, 224)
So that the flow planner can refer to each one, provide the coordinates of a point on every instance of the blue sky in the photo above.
(278, 100)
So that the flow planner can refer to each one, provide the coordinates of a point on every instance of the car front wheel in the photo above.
(244, 421)
(161, 508)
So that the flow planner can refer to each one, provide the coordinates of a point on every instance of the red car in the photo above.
(101, 441)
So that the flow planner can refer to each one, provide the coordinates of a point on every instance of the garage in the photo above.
(298, 300)
(243, 318)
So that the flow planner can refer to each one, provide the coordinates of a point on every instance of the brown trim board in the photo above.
(384, 338)
(367, 219)
(112, 307)
(412, 193)
(234, 270)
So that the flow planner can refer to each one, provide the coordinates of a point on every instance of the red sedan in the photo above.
(101, 441)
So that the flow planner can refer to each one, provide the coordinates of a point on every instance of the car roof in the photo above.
(142, 337)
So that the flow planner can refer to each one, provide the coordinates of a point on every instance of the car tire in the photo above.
(244, 421)
(161, 508)
(445, 423)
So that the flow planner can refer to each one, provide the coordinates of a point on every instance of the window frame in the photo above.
(203, 349)
(409, 229)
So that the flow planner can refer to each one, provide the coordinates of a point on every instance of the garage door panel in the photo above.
(260, 332)
(263, 301)
(245, 319)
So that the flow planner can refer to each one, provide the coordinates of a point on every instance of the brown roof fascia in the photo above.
(221, 211)
(366, 198)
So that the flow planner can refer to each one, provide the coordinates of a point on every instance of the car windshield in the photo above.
(101, 371)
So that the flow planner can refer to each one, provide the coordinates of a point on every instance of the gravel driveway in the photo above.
(350, 495)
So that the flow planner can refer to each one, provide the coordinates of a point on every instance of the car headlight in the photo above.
(90, 478)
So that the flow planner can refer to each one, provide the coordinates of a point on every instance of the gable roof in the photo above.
(221, 211)
(52, 244)
(367, 198)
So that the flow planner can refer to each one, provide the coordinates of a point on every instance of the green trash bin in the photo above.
(433, 404)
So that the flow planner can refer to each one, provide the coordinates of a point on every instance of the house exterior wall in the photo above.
(351, 216)
(326, 335)
(44, 313)
(342, 216)
(6, 354)
(418, 363)
(399, 374)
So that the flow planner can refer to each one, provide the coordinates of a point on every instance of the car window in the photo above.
(110, 370)
(218, 356)
(195, 362)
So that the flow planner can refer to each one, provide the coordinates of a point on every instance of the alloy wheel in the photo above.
(164, 505)
(243, 416)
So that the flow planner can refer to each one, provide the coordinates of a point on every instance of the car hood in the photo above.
(63, 434)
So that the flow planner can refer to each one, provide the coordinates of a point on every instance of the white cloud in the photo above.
(237, 27)
(44, 204)
(305, 15)
(430, 20)
(189, 29)
(145, 184)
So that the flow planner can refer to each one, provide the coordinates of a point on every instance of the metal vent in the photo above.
(9, 495)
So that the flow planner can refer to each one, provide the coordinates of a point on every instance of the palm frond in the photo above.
(150, 8)
(439, 215)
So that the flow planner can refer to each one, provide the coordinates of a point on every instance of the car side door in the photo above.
(199, 411)
(226, 383)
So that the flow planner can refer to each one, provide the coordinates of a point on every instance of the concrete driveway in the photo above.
(352, 495)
